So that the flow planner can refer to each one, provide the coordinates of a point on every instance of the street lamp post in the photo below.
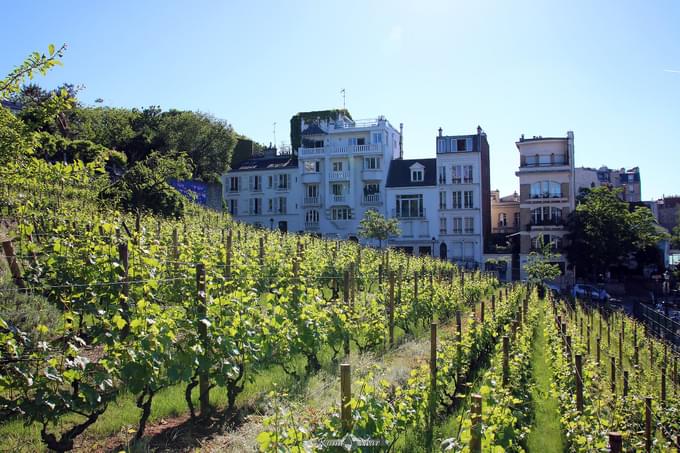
(434, 239)
(271, 223)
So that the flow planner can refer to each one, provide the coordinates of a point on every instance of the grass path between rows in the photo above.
(546, 432)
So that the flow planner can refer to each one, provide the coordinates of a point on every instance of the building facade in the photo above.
(344, 165)
(627, 180)
(412, 199)
(546, 197)
(504, 213)
(265, 191)
(463, 185)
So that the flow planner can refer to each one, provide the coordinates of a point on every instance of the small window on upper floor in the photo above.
(416, 175)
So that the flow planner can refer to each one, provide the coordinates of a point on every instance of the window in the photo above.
(442, 225)
(337, 189)
(555, 242)
(546, 189)
(281, 205)
(502, 219)
(469, 251)
(371, 163)
(410, 206)
(457, 200)
(457, 174)
(546, 216)
(416, 175)
(457, 225)
(312, 166)
(457, 250)
(372, 188)
(442, 175)
(337, 165)
(442, 200)
(377, 137)
(255, 206)
(270, 182)
(516, 219)
(233, 184)
(312, 216)
(233, 207)
(283, 182)
(467, 174)
(467, 197)
(312, 190)
(341, 213)
(532, 161)
(461, 144)
(270, 205)
(441, 145)
(469, 225)
(255, 183)
(544, 160)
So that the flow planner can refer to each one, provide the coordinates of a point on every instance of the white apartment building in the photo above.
(344, 166)
(265, 191)
(412, 199)
(463, 188)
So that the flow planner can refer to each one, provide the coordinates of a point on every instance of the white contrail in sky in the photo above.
(675, 71)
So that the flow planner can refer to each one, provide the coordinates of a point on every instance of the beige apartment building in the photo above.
(546, 197)
(505, 217)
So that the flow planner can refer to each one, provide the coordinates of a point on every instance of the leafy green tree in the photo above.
(603, 232)
(144, 186)
(207, 141)
(375, 226)
(675, 235)
(538, 267)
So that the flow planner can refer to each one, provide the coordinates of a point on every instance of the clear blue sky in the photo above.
(602, 69)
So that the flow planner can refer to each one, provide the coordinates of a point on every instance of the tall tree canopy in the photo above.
(603, 232)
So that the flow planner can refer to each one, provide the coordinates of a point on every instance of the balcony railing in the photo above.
(339, 198)
(343, 150)
(311, 201)
(282, 188)
(409, 213)
(255, 188)
(372, 199)
(339, 175)
(547, 222)
(311, 225)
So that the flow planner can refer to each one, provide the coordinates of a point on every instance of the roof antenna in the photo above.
(343, 98)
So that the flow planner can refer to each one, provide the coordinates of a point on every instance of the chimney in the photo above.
(401, 140)
(521, 138)
(479, 130)
(440, 131)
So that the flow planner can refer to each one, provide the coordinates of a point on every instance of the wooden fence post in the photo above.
(597, 350)
(432, 403)
(579, 382)
(202, 311)
(663, 384)
(228, 255)
(625, 383)
(588, 340)
(345, 397)
(481, 313)
(260, 254)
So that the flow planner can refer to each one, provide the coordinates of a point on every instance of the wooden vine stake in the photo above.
(476, 428)
(125, 287)
(506, 360)
(613, 375)
(202, 312)
(615, 442)
(625, 383)
(648, 424)
(13, 264)
(579, 382)
(227, 264)
(345, 295)
(432, 406)
(345, 397)
(390, 308)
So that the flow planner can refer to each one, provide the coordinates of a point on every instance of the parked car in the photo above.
(590, 292)
(554, 289)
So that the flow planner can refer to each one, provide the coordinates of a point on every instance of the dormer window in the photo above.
(417, 172)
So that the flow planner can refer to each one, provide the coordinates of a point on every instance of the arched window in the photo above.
(546, 189)
(442, 251)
